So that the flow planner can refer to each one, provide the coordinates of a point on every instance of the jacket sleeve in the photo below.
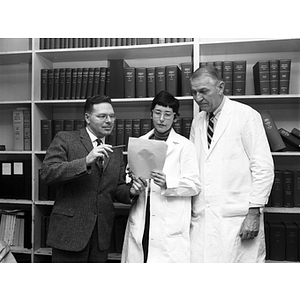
(186, 182)
(261, 163)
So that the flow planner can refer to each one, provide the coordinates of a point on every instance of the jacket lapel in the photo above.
(85, 140)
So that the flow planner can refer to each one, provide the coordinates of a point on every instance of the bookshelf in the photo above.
(21, 61)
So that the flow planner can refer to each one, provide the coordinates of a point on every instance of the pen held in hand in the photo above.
(119, 146)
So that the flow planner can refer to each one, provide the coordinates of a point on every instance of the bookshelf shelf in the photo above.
(20, 82)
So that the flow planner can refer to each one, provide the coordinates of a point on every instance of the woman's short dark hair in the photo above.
(91, 101)
(166, 99)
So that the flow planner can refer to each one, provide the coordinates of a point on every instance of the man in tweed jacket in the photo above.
(89, 176)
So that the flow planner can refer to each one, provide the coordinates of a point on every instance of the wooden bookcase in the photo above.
(21, 61)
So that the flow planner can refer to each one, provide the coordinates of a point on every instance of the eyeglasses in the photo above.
(167, 115)
(105, 117)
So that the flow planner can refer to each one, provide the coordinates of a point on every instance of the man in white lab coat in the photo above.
(236, 175)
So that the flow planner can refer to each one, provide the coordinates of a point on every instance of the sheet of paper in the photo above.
(145, 156)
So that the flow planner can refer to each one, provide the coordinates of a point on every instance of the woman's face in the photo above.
(163, 118)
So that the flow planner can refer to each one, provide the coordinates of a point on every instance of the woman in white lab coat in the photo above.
(160, 233)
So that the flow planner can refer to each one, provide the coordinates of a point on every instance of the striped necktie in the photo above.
(210, 128)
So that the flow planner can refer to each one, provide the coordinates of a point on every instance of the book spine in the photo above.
(127, 131)
(291, 241)
(74, 82)
(274, 77)
(277, 189)
(140, 82)
(62, 83)
(297, 189)
(102, 83)
(227, 76)
(288, 188)
(46, 133)
(261, 75)
(85, 75)
(129, 84)
(18, 127)
(150, 81)
(56, 84)
(146, 125)
(219, 66)
(296, 132)
(50, 88)
(274, 138)
(186, 126)
(284, 76)
(27, 129)
(239, 78)
(68, 83)
(44, 84)
(120, 131)
(277, 241)
(69, 125)
(91, 74)
(96, 81)
(178, 126)
(116, 83)
(186, 72)
(172, 80)
(289, 138)
(58, 125)
(79, 124)
(79, 83)
(136, 128)
(160, 79)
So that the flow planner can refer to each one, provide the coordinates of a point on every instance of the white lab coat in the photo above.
(170, 209)
(236, 170)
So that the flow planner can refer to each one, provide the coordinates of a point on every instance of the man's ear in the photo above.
(221, 87)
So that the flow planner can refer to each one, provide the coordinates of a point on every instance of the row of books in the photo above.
(233, 74)
(282, 241)
(140, 82)
(61, 43)
(280, 139)
(21, 129)
(15, 179)
(15, 228)
(123, 129)
(286, 189)
(272, 77)
(12, 228)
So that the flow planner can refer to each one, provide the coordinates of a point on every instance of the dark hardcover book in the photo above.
(150, 81)
(186, 126)
(274, 76)
(239, 78)
(277, 241)
(42, 43)
(96, 82)
(50, 88)
(146, 126)
(42, 189)
(44, 84)
(51, 43)
(290, 138)
(173, 80)
(46, 133)
(70, 43)
(85, 75)
(140, 82)
(120, 227)
(6, 180)
(127, 131)
(68, 83)
(107, 82)
(79, 124)
(297, 189)
(277, 189)
(58, 125)
(261, 76)
(102, 84)
(91, 74)
(62, 83)
(79, 83)
(186, 72)
(69, 125)
(284, 76)
(178, 126)
(219, 66)
(27, 129)
(56, 43)
(291, 241)
(73, 83)
(288, 188)
(143, 41)
(136, 128)
(44, 230)
(120, 123)
(274, 138)
(227, 76)
(129, 82)
(160, 79)
(116, 80)
(296, 132)
(56, 84)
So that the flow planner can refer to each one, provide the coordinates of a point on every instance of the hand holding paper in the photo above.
(145, 156)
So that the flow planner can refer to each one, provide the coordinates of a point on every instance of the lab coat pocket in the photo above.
(235, 204)
(231, 148)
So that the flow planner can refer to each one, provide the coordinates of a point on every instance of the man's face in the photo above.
(101, 120)
(207, 93)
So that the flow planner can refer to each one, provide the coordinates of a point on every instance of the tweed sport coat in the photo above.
(83, 195)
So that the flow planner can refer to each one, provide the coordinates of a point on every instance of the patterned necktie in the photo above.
(210, 128)
(99, 142)
(101, 160)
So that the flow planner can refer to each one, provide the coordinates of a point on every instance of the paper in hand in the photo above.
(145, 156)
